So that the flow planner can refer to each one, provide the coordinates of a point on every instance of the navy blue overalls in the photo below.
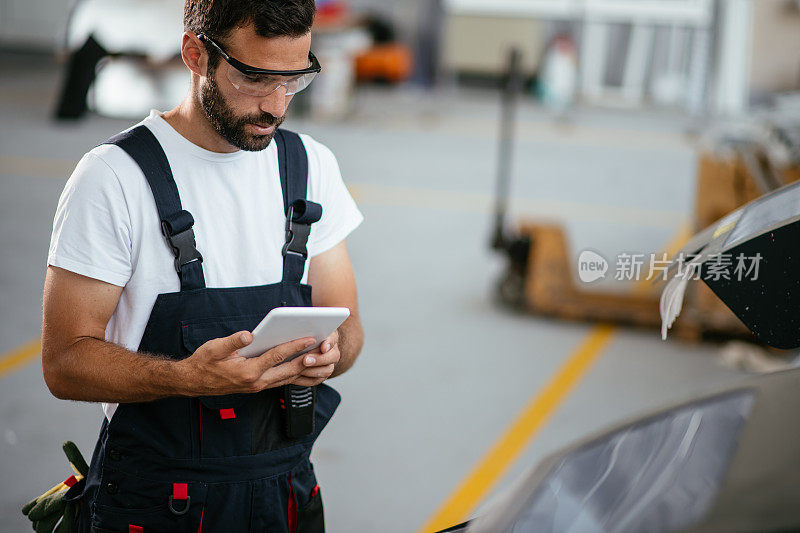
(223, 463)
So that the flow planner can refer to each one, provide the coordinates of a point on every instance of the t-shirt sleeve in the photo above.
(340, 214)
(91, 229)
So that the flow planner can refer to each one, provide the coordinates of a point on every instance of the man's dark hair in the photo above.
(271, 18)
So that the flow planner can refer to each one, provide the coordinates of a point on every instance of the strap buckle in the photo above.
(296, 236)
(183, 245)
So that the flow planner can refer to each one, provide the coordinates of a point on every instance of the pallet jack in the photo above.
(539, 277)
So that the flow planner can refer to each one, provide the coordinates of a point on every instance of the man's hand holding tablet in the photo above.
(285, 324)
(220, 367)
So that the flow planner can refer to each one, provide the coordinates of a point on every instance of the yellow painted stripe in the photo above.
(19, 357)
(505, 451)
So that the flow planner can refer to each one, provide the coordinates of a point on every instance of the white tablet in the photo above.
(284, 324)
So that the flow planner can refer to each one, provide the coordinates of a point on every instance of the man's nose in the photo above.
(275, 103)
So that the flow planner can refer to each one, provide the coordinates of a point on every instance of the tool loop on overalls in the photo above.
(179, 492)
(182, 511)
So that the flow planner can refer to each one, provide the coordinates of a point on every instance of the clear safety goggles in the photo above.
(255, 81)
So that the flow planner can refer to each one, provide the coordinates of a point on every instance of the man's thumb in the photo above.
(233, 342)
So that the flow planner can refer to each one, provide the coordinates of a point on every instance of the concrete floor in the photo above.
(444, 370)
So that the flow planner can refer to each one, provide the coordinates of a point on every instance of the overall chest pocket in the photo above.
(223, 421)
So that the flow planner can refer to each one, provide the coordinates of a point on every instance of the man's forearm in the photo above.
(351, 339)
(97, 371)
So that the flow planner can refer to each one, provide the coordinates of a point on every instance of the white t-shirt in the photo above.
(107, 227)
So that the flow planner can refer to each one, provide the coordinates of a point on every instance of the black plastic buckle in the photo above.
(296, 236)
(183, 245)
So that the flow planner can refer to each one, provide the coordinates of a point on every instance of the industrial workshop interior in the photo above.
(567, 233)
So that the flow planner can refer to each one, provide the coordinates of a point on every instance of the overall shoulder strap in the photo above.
(292, 165)
(300, 213)
(176, 223)
(298, 403)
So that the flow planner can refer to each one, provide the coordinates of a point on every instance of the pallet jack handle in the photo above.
(512, 87)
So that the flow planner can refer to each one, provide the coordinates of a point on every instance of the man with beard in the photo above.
(170, 242)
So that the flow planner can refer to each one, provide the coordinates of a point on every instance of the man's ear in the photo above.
(194, 53)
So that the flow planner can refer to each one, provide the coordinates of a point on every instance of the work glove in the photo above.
(49, 513)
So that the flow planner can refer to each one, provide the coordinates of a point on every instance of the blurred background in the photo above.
(488, 143)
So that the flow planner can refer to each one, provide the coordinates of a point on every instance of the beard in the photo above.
(229, 125)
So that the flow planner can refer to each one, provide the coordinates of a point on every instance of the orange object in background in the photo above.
(385, 62)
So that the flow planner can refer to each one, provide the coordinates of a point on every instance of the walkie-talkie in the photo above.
(298, 408)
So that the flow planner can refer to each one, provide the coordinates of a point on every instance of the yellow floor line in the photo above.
(498, 460)
(505, 451)
(19, 357)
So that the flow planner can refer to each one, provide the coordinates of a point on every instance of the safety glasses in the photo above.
(255, 81)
